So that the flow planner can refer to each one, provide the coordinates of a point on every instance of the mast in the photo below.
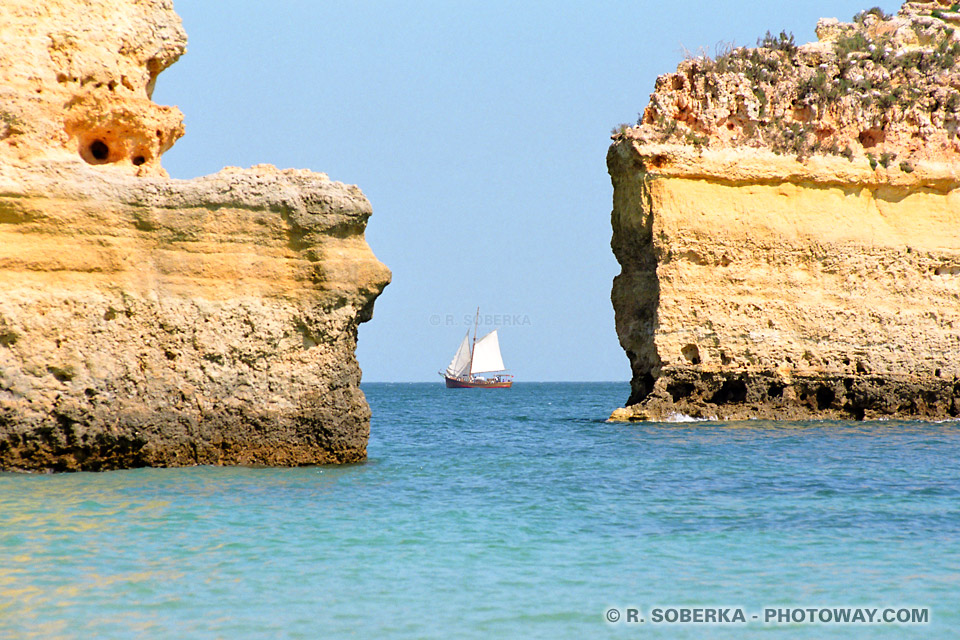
(476, 320)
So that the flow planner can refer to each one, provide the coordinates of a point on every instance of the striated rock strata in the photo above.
(150, 321)
(787, 254)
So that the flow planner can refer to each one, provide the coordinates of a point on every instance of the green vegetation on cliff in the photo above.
(883, 87)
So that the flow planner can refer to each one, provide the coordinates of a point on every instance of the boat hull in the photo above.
(454, 383)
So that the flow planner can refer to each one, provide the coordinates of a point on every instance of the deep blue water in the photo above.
(486, 513)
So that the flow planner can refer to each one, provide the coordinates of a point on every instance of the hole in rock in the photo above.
(659, 161)
(825, 397)
(99, 150)
(691, 353)
(871, 137)
(139, 160)
(730, 391)
(648, 382)
(680, 390)
(856, 411)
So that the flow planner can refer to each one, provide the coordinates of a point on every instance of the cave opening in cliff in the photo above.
(139, 160)
(680, 390)
(691, 353)
(870, 138)
(733, 390)
(99, 150)
(825, 397)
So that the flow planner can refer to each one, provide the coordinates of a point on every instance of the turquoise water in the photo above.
(483, 514)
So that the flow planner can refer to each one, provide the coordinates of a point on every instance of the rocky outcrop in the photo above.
(149, 321)
(787, 254)
(882, 89)
(76, 77)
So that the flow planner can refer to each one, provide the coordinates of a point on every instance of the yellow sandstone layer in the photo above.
(757, 285)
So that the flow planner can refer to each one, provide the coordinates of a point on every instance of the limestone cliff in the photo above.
(150, 321)
(787, 220)
(76, 77)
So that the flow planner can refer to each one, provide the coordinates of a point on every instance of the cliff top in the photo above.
(884, 89)
(76, 79)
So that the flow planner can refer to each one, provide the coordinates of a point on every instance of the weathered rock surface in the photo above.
(149, 321)
(759, 281)
(76, 77)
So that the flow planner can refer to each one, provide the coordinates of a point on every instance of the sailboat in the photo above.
(482, 357)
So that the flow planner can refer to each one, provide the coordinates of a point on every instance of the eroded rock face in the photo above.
(149, 321)
(76, 79)
(759, 281)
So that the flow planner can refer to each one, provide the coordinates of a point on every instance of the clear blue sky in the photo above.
(478, 130)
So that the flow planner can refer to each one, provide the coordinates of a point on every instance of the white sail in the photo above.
(486, 354)
(460, 364)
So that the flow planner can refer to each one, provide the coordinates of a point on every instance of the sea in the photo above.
(514, 513)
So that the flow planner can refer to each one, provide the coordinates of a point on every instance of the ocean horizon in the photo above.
(484, 513)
